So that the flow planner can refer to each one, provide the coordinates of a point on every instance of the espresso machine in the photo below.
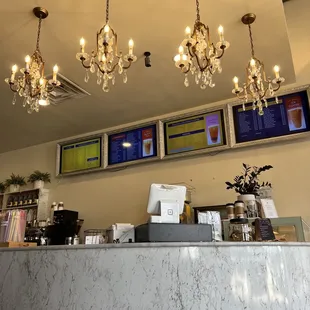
(65, 226)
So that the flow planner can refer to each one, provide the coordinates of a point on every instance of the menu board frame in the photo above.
(289, 137)
(76, 140)
(108, 166)
(223, 108)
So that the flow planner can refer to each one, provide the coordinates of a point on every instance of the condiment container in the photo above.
(61, 206)
(230, 208)
(239, 230)
(239, 209)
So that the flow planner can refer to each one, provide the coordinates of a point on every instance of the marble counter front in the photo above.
(196, 276)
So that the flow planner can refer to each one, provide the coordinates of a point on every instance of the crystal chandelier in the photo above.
(106, 58)
(32, 85)
(198, 55)
(257, 87)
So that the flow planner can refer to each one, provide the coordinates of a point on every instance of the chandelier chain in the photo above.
(107, 12)
(38, 36)
(251, 41)
(197, 11)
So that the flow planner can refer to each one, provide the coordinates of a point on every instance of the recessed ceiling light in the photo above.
(126, 144)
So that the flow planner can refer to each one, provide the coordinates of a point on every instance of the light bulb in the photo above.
(187, 31)
(14, 69)
(82, 43)
(181, 50)
(236, 80)
(43, 102)
(55, 71)
(276, 70)
(27, 59)
(184, 57)
(106, 28)
(177, 58)
(221, 33)
(130, 45)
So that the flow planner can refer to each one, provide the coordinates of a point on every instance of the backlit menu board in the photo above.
(194, 133)
(140, 143)
(289, 116)
(82, 155)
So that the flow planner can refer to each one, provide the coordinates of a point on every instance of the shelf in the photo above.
(20, 192)
(20, 207)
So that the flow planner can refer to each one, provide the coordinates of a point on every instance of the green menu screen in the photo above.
(80, 155)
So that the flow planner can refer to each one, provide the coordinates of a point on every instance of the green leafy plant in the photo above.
(248, 182)
(15, 179)
(2, 187)
(39, 176)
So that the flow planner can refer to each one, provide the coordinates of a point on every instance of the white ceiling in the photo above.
(155, 26)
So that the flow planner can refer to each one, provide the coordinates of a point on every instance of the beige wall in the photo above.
(105, 198)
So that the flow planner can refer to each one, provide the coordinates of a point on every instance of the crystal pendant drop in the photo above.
(92, 68)
(120, 69)
(24, 102)
(186, 82)
(14, 99)
(265, 103)
(113, 79)
(203, 86)
(277, 100)
(261, 112)
(29, 110)
(196, 79)
(86, 76)
(20, 92)
(125, 78)
(99, 80)
(243, 107)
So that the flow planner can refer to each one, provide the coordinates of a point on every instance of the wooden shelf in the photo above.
(20, 192)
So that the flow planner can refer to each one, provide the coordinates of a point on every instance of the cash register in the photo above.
(165, 205)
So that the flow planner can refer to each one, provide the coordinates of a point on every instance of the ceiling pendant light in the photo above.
(257, 87)
(198, 55)
(32, 85)
(106, 59)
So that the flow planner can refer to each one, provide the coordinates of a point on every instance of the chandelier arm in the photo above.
(222, 54)
(189, 67)
(129, 65)
(84, 65)
(14, 90)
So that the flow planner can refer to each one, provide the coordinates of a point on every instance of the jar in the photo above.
(61, 206)
(250, 205)
(230, 209)
(239, 209)
(239, 230)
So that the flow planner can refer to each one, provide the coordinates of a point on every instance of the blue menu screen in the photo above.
(132, 145)
(289, 116)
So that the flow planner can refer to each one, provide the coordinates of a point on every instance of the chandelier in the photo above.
(106, 58)
(198, 55)
(31, 84)
(257, 87)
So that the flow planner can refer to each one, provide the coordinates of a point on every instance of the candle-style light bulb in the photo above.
(276, 70)
(236, 80)
(82, 44)
(181, 49)
(130, 45)
(14, 70)
(55, 71)
(221, 33)
(27, 61)
(177, 58)
(188, 31)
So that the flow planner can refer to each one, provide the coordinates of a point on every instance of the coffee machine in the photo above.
(65, 225)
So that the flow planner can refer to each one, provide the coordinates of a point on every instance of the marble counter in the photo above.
(175, 276)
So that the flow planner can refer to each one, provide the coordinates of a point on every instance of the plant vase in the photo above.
(250, 205)
(38, 184)
(14, 188)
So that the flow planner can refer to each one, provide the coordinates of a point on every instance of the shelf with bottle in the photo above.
(22, 200)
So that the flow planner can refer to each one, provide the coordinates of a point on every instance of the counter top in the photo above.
(157, 245)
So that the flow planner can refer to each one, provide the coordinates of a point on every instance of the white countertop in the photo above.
(157, 245)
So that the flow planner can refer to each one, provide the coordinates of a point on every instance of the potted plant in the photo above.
(14, 183)
(2, 187)
(38, 179)
(247, 185)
